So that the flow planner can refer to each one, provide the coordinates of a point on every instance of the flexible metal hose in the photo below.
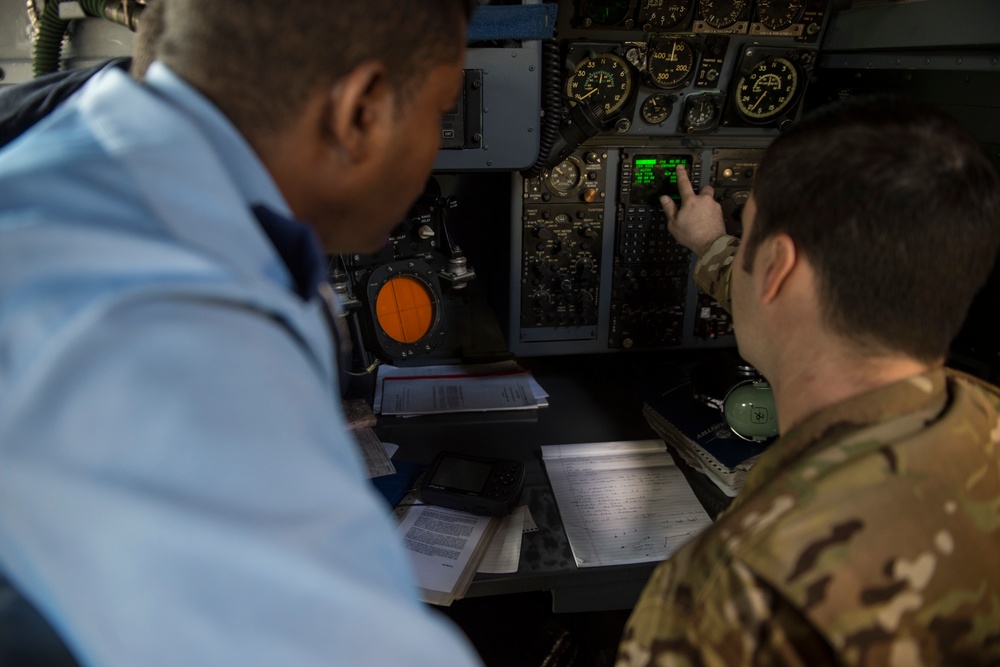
(47, 52)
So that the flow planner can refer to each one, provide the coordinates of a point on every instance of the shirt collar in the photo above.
(240, 160)
(294, 241)
(909, 404)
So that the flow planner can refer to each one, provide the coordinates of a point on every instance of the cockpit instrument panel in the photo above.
(663, 82)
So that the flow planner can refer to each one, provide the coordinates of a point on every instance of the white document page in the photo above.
(469, 393)
(622, 502)
(504, 553)
(454, 375)
(441, 543)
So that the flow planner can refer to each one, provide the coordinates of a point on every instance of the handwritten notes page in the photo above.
(374, 453)
(622, 502)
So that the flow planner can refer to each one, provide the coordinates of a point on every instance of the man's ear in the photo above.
(360, 110)
(777, 258)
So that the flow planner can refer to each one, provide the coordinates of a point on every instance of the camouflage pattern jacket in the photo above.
(868, 534)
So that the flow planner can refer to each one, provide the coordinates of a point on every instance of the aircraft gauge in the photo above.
(767, 90)
(605, 78)
(670, 63)
(779, 14)
(659, 15)
(722, 13)
(701, 112)
(657, 108)
(606, 12)
(565, 176)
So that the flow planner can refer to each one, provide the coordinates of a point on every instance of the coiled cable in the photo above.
(551, 106)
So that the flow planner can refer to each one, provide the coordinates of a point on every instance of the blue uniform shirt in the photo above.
(177, 483)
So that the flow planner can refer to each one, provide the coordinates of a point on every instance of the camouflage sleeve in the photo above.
(719, 615)
(712, 271)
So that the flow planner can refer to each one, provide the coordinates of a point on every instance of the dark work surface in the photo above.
(591, 399)
(520, 630)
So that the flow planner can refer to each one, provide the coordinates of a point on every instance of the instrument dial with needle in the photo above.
(722, 13)
(659, 15)
(565, 176)
(670, 63)
(701, 112)
(657, 108)
(779, 14)
(767, 90)
(605, 78)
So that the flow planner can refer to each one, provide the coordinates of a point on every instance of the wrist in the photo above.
(705, 248)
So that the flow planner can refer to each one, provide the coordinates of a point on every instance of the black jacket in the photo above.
(23, 105)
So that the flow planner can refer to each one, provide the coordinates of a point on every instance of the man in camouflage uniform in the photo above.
(869, 533)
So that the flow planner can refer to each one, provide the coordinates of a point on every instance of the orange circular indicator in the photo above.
(404, 309)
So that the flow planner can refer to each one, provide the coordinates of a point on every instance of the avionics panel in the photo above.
(644, 87)
(650, 281)
(594, 267)
(561, 247)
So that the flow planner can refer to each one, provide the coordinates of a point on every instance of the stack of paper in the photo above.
(422, 390)
(448, 547)
(445, 547)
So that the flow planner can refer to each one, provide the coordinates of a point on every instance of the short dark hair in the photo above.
(259, 60)
(898, 208)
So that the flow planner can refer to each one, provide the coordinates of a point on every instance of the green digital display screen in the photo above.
(656, 175)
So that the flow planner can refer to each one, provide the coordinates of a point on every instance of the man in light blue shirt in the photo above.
(177, 484)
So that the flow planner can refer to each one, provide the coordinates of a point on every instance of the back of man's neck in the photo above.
(807, 388)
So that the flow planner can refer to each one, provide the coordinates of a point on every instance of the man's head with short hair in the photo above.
(258, 60)
(897, 208)
(342, 100)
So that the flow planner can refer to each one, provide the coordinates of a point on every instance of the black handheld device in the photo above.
(473, 484)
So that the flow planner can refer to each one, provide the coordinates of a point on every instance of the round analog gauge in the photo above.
(565, 176)
(670, 63)
(722, 13)
(767, 90)
(660, 15)
(606, 12)
(605, 78)
(779, 14)
(700, 113)
(657, 108)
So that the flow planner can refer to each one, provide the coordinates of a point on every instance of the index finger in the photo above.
(684, 187)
